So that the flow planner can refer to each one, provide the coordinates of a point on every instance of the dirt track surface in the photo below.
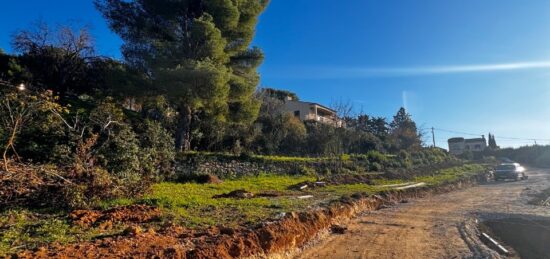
(436, 226)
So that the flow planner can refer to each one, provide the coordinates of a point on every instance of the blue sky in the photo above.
(470, 66)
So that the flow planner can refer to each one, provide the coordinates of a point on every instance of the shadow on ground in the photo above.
(528, 235)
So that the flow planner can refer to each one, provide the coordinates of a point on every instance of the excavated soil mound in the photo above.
(236, 194)
(124, 214)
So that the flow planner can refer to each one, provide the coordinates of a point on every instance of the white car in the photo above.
(512, 171)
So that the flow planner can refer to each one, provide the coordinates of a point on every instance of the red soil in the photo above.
(124, 214)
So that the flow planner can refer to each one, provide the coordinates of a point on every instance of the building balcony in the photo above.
(326, 120)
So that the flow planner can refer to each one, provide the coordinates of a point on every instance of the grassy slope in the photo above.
(192, 205)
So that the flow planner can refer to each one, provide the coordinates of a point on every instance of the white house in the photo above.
(308, 111)
(458, 146)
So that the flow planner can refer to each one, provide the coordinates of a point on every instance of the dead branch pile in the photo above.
(28, 185)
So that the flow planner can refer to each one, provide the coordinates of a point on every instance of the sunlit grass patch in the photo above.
(451, 174)
(18, 228)
(193, 204)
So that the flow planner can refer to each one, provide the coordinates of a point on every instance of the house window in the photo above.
(478, 146)
(297, 113)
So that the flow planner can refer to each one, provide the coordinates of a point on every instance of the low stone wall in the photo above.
(237, 168)
(229, 166)
(225, 169)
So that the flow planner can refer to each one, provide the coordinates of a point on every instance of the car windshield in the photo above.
(506, 167)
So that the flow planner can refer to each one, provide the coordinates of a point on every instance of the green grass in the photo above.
(451, 174)
(23, 229)
(192, 204)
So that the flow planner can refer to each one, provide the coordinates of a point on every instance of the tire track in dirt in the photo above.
(431, 227)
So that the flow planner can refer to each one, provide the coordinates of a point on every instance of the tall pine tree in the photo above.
(196, 52)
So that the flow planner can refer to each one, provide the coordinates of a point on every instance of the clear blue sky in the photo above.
(471, 66)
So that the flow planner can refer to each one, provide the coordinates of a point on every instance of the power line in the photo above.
(499, 137)
(442, 137)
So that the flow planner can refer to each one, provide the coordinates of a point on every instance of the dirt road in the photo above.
(433, 227)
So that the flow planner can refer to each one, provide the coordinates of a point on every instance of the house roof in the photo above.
(470, 140)
(454, 140)
(474, 140)
(322, 106)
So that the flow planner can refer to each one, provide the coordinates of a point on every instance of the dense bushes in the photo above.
(538, 156)
(96, 148)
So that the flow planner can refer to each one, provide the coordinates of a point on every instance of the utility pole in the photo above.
(433, 136)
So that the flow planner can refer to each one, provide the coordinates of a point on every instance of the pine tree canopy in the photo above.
(196, 52)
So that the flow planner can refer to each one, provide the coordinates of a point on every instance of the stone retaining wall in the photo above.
(235, 168)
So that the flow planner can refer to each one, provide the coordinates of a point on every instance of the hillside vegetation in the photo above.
(95, 147)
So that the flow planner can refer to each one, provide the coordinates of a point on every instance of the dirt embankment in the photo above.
(291, 231)
(447, 225)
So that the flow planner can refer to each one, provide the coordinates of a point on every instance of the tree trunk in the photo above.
(183, 130)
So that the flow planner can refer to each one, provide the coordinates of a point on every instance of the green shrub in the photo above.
(306, 170)
(376, 157)
(119, 152)
(89, 188)
(45, 140)
(157, 151)
(375, 167)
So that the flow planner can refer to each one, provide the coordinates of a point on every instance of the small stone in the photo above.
(280, 215)
(338, 229)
